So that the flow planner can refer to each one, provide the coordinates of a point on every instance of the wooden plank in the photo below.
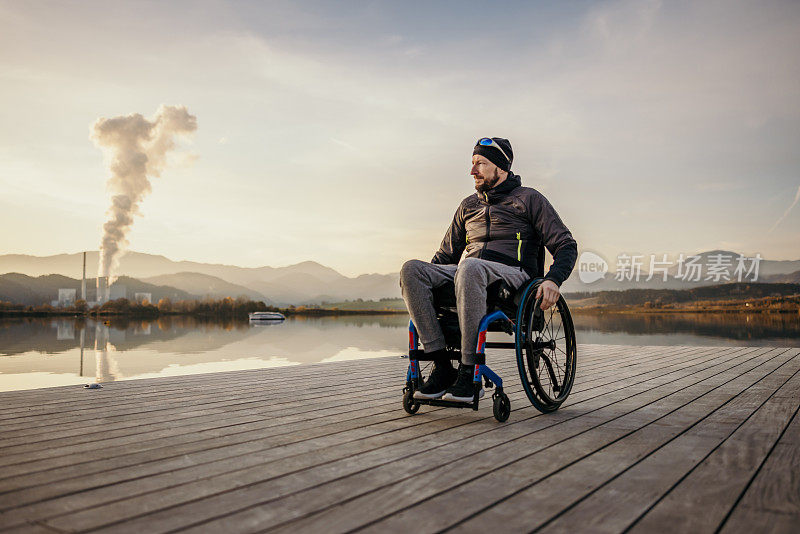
(29, 528)
(24, 434)
(132, 424)
(49, 486)
(413, 490)
(395, 469)
(394, 399)
(24, 397)
(70, 394)
(94, 398)
(503, 469)
(316, 369)
(137, 400)
(772, 501)
(347, 452)
(717, 482)
(60, 394)
(90, 455)
(616, 505)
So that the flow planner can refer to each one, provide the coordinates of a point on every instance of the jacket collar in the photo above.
(511, 182)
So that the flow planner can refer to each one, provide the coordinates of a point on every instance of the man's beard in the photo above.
(488, 182)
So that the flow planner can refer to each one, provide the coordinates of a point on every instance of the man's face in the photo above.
(485, 173)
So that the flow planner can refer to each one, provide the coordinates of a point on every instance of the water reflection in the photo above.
(765, 329)
(39, 352)
(32, 354)
(107, 369)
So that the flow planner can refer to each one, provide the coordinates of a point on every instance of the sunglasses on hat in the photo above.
(488, 141)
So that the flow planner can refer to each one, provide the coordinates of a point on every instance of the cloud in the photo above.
(608, 105)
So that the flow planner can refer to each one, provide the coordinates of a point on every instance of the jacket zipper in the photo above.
(519, 247)
(488, 224)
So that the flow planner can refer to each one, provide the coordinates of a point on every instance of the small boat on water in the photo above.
(266, 317)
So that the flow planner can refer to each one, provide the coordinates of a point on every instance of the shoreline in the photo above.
(673, 311)
(94, 315)
(324, 312)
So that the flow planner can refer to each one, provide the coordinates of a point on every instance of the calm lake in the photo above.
(42, 352)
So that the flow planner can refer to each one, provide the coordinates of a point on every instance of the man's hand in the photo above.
(549, 292)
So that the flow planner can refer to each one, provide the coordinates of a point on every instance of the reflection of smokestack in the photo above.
(106, 368)
(137, 148)
(83, 280)
(83, 339)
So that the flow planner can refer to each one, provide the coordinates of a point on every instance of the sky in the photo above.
(343, 132)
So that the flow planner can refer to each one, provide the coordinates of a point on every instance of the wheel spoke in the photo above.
(559, 375)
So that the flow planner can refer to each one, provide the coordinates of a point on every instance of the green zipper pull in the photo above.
(519, 247)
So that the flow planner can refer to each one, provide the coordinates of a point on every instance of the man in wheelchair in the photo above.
(495, 239)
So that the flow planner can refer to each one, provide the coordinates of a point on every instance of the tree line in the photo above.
(225, 307)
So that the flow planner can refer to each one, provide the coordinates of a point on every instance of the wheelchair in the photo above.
(544, 342)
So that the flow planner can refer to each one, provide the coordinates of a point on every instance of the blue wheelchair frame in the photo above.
(502, 405)
(414, 376)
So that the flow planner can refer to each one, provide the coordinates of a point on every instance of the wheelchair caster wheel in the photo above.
(501, 407)
(410, 405)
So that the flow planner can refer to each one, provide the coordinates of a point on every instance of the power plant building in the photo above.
(66, 298)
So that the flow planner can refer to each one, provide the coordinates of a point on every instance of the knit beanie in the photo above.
(493, 154)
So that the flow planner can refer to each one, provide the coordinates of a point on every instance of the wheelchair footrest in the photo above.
(420, 355)
(444, 403)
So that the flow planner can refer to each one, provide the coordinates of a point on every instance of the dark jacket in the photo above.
(509, 224)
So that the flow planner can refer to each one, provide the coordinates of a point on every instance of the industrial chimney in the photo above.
(83, 280)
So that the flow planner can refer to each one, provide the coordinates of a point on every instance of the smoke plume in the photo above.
(137, 150)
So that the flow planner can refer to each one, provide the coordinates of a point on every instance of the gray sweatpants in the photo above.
(471, 277)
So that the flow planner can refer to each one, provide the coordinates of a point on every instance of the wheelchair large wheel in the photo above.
(546, 350)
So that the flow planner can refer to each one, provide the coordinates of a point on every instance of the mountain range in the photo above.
(303, 283)
(32, 291)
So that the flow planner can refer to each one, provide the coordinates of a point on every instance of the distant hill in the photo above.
(33, 291)
(141, 266)
(203, 285)
(728, 291)
(302, 283)
(765, 267)
(311, 283)
(770, 271)
(791, 278)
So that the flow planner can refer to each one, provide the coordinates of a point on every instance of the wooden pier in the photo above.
(652, 439)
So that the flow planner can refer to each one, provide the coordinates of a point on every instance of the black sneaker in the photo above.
(464, 388)
(442, 376)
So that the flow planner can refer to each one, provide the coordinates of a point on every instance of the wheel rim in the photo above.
(546, 357)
